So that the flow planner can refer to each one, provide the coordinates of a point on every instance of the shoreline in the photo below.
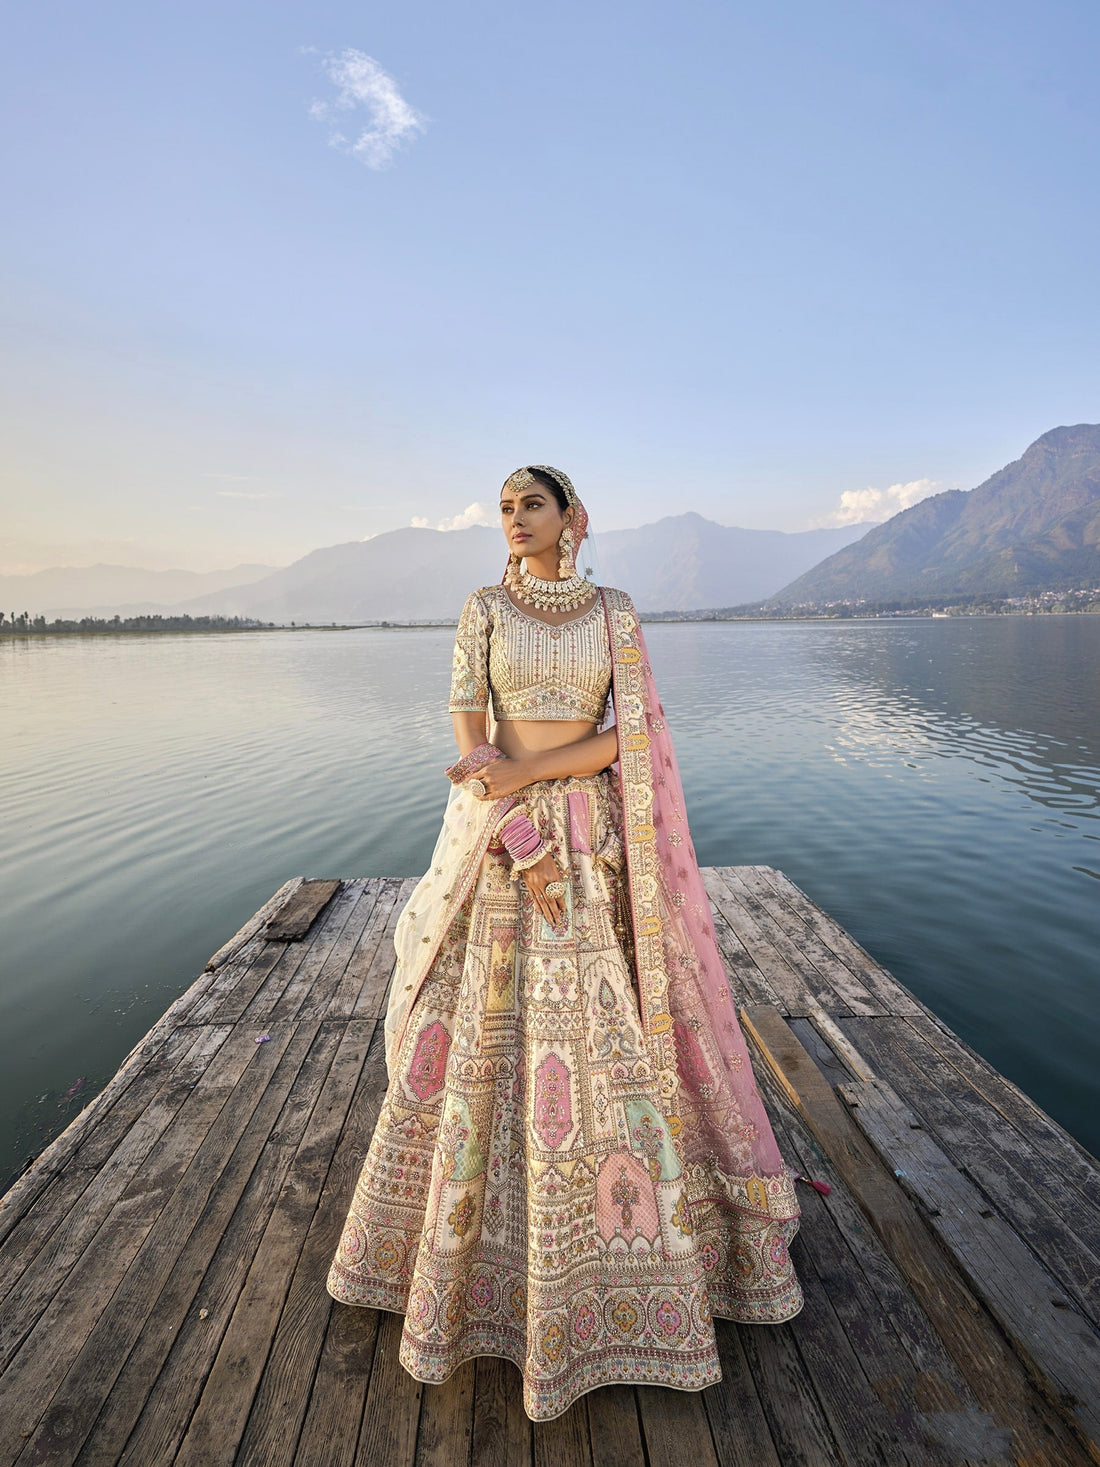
(13, 634)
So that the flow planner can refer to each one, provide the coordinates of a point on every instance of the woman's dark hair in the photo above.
(549, 483)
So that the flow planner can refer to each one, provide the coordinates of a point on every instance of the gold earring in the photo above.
(565, 557)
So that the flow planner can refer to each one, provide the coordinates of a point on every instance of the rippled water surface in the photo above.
(932, 784)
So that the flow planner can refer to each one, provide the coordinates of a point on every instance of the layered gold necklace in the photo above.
(565, 594)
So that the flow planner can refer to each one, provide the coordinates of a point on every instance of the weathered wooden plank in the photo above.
(564, 1442)
(191, 1305)
(323, 998)
(342, 1001)
(30, 1224)
(614, 1427)
(52, 1266)
(793, 1412)
(331, 1429)
(294, 971)
(748, 982)
(173, 1396)
(894, 997)
(392, 1413)
(938, 1380)
(325, 960)
(823, 1053)
(371, 1001)
(794, 980)
(291, 921)
(502, 1430)
(237, 982)
(30, 1185)
(995, 1373)
(738, 1425)
(281, 1399)
(446, 1421)
(1063, 1152)
(161, 1282)
(210, 1123)
(841, 1301)
(864, 1428)
(675, 1427)
(248, 931)
(222, 1411)
(779, 923)
(1060, 1345)
(1033, 1197)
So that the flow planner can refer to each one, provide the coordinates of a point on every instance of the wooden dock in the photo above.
(162, 1264)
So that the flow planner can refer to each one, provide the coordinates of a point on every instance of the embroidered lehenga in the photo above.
(572, 1167)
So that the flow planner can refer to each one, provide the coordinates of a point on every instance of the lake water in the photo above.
(932, 784)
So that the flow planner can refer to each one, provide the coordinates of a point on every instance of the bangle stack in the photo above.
(473, 761)
(522, 842)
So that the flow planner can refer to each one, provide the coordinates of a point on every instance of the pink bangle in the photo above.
(521, 839)
(473, 761)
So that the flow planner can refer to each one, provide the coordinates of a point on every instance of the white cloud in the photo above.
(857, 505)
(473, 514)
(362, 84)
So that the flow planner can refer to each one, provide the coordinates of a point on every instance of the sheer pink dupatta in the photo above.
(688, 1011)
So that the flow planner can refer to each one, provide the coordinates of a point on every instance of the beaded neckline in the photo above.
(553, 625)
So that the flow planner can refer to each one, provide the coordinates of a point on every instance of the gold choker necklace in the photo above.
(563, 595)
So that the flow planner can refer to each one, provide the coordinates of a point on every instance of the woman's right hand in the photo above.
(538, 877)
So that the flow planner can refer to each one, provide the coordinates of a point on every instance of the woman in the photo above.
(572, 1167)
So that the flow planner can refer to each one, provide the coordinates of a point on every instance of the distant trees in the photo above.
(24, 624)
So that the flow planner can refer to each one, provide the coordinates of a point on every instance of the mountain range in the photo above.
(101, 590)
(681, 563)
(1033, 526)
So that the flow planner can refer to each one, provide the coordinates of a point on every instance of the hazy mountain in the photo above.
(101, 590)
(688, 563)
(1033, 526)
(681, 563)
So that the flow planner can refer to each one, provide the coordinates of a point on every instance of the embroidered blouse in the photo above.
(532, 669)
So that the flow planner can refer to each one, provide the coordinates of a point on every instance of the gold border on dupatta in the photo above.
(640, 842)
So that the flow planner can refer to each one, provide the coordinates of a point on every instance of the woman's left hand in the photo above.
(502, 777)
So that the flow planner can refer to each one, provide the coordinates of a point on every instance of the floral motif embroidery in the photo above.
(668, 1316)
(553, 1108)
(625, 1316)
(386, 1255)
(584, 1322)
(624, 1194)
(429, 1061)
(462, 1216)
(553, 1342)
(681, 1216)
(481, 1292)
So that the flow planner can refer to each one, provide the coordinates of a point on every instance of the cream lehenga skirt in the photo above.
(521, 1196)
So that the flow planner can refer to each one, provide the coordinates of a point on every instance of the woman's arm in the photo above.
(470, 729)
(585, 756)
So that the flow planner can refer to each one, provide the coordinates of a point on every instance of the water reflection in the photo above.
(933, 784)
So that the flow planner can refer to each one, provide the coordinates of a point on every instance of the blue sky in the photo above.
(734, 258)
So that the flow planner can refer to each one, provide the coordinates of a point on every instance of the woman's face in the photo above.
(531, 520)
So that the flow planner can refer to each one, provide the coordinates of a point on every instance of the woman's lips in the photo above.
(517, 538)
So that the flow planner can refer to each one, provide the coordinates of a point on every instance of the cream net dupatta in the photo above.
(468, 824)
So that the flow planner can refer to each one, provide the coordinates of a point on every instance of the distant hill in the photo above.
(103, 590)
(681, 563)
(688, 563)
(1034, 526)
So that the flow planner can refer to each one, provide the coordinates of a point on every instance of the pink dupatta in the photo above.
(688, 1013)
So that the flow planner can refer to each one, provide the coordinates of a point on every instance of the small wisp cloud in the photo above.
(473, 514)
(857, 505)
(363, 87)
